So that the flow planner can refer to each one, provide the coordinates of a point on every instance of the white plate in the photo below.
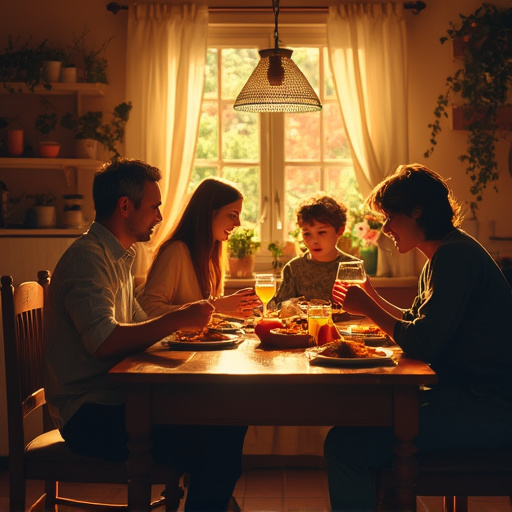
(233, 342)
(385, 360)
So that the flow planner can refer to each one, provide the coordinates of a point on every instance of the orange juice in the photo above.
(317, 316)
(265, 291)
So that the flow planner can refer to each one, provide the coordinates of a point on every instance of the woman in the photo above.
(188, 265)
(460, 323)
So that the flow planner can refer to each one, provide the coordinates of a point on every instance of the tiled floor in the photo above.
(266, 490)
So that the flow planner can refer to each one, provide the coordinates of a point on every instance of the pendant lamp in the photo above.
(277, 84)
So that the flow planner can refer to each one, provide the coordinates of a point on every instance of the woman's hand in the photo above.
(238, 304)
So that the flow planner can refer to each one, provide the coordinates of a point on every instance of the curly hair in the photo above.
(322, 208)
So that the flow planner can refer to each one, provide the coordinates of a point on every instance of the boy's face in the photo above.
(321, 240)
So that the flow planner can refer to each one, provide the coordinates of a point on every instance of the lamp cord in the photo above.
(275, 8)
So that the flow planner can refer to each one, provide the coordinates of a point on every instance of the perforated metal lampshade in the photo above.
(277, 85)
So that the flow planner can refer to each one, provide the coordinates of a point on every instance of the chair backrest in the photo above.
(22, 318)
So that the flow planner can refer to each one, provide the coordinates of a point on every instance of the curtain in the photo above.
(166, 55)
(368, 57)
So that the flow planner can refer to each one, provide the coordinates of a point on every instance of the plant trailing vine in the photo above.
(482, 82)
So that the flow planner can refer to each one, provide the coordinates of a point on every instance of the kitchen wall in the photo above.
(429, 65)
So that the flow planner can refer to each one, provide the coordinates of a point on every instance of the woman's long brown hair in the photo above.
(194, 229)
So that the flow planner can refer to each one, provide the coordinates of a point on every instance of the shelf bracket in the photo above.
(67, 175)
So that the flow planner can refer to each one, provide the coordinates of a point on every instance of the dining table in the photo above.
(244, 383)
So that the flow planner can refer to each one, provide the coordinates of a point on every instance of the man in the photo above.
(93, 321)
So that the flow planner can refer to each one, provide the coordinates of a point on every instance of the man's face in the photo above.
(142, 220)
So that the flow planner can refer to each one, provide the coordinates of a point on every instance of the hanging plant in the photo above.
(482, 82)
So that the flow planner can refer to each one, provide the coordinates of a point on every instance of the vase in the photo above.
(369, 255)
(86, 148)
(241, 267)
(52, 68)
(15, 142)
(46, 216)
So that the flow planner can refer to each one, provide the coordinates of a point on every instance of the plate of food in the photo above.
(370, 333)
(207, 339)
(350, 353)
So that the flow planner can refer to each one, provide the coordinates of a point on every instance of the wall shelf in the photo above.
(58, 88)
(47, 163)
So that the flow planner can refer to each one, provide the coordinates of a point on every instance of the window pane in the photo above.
(336, 144)
(248, 179)
(301, 182)
(302, 136)
(240, 135)
(198, 174)
(340, 182)
(207, 142)
(237, 66)
(329, 91)
(211, 74)
(307, 61)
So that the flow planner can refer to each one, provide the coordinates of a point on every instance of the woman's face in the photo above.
(403, 230)
(226, 219)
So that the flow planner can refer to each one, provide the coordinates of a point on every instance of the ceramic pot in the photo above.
(45, 216)
(241, 267)
(15, 142)
(86, 148)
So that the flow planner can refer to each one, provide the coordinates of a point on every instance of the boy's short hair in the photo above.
(322, 209)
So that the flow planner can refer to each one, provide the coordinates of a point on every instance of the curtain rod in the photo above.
(415, 7)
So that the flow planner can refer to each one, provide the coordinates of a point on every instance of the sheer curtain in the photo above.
(368, 56)
(166, 55)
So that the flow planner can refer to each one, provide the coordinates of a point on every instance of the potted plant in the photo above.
(89, 127)
(45, 124)
(482, 83)
(242, 245)
(45, 213)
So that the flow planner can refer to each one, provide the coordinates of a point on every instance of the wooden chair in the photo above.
(46, 457)
(458, 474)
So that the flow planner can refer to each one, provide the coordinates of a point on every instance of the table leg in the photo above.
(406, 428)
(140, 461)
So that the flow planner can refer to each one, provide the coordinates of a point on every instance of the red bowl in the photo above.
(49, 149)
(279, 339)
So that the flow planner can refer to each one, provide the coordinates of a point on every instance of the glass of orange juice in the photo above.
(318, 315)
(265, 288)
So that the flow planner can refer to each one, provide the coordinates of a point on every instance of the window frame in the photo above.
(272, 126)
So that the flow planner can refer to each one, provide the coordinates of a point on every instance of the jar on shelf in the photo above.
(73, 217)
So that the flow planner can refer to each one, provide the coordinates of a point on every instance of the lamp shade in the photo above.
(277, 85)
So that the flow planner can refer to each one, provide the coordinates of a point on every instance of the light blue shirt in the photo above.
(91, 291)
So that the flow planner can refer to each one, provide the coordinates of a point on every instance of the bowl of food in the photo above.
(287, 338)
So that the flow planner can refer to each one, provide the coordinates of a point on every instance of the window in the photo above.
(277, 159)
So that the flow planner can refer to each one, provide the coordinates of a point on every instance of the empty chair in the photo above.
(46, 457)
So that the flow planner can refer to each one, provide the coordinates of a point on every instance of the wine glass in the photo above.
(265, 288)
(351, 272)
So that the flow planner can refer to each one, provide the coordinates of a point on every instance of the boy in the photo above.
(322, 221)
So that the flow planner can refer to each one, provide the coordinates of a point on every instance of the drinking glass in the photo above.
(265, 288)
(318, 315)
(351, 272)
